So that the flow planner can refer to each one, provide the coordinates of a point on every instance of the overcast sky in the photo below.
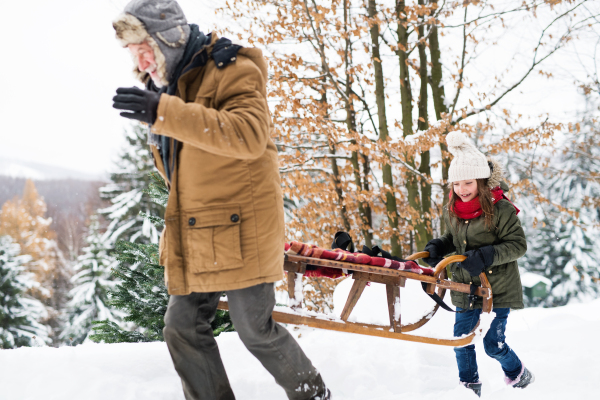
(60, 67)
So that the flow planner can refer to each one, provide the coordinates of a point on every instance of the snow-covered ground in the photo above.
(559, 345)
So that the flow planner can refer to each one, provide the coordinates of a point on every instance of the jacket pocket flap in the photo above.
(213, 216)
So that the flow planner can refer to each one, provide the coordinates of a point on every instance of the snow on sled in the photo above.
(392, 274)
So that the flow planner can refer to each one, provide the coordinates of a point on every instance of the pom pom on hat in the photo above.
(468, 162)
(456, 138)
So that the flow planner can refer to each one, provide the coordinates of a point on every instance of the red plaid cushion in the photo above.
(309, 250)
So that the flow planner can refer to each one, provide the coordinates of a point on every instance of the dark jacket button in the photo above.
(192, 221)
(235, 218)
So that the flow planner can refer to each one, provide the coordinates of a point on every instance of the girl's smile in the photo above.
(466, 190)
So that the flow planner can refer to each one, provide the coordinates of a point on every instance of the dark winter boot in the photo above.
(474, 386)
(521, 381)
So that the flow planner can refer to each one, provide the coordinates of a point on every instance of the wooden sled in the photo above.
(394, 281)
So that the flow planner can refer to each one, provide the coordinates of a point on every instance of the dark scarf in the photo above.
(195, 56)
(472, 209)
(196, 42)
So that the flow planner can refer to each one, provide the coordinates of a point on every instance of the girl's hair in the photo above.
(485, 199)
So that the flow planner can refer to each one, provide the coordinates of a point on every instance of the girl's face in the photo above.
(466, 190)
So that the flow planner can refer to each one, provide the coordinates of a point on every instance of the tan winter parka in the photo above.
(224, 218)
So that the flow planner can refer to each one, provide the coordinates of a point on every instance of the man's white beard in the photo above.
(157, 82)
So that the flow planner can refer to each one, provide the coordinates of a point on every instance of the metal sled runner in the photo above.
(394, 281)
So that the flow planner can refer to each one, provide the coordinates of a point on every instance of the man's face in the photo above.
(144, 55)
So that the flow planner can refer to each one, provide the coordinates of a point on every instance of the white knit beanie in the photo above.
(468, 162)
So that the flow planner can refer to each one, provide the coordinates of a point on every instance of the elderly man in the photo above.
(206, 103)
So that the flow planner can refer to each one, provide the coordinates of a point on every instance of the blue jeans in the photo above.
(493, 343)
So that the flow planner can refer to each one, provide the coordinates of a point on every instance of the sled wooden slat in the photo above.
(291, 282)
(386, 280)
(393, 300)
(292, 289)
(364, 329)
(459, 287)
(427, 317)
(394, 281)
(487, 300)
(357, 288)
(298, 267)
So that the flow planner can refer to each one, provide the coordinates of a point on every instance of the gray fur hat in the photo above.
(469, 162)
(160, 23)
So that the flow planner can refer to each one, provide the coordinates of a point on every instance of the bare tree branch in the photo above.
(524, 7)
(295, 168)
(534, 64)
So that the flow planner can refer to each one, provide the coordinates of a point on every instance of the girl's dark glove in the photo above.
(436, 251)
(477, 260)
(143, 103)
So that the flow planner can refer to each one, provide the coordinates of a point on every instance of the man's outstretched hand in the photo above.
(139, 104)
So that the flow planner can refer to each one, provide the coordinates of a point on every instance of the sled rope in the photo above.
(445, 306)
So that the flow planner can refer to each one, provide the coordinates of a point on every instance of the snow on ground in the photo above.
(558, 345)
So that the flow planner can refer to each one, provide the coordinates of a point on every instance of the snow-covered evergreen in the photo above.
(563, 245)
(126, 192)
(92, 282)
(141, 293)
(19, 312)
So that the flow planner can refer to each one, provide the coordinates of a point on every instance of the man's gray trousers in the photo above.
(196, 356)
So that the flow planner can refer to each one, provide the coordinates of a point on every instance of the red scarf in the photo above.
(472, 209)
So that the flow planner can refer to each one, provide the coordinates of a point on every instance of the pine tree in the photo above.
(142, 294)
(126, 192)
(563, 245)
(19, 312)
(565, 254)
(24, 219)
(92, 281)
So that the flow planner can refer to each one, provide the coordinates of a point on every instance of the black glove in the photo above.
(436, 251)
(343, 240)
(143, 103)
(477, 260)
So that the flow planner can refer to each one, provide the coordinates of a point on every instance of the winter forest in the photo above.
(362, 94)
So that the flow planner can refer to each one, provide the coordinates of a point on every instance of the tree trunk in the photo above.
(439, 98)
(368, 211)
(335, 171)
(363, 208)
(338, 189)
(412, 182)
(424, 228)
(332, 151)
(388, 183)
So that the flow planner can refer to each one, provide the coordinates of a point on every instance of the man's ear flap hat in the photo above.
(160, 23)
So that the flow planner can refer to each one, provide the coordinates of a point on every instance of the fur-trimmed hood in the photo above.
(497, 175)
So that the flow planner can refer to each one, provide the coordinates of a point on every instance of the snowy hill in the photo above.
(36, 171)
(558, 345)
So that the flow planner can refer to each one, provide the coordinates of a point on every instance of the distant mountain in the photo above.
(35, 171)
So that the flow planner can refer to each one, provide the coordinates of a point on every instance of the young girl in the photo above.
(482, 224)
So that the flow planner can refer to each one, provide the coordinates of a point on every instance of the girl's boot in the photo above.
(522, 381)
(474, 386)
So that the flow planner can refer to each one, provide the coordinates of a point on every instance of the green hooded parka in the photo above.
(507, 237)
